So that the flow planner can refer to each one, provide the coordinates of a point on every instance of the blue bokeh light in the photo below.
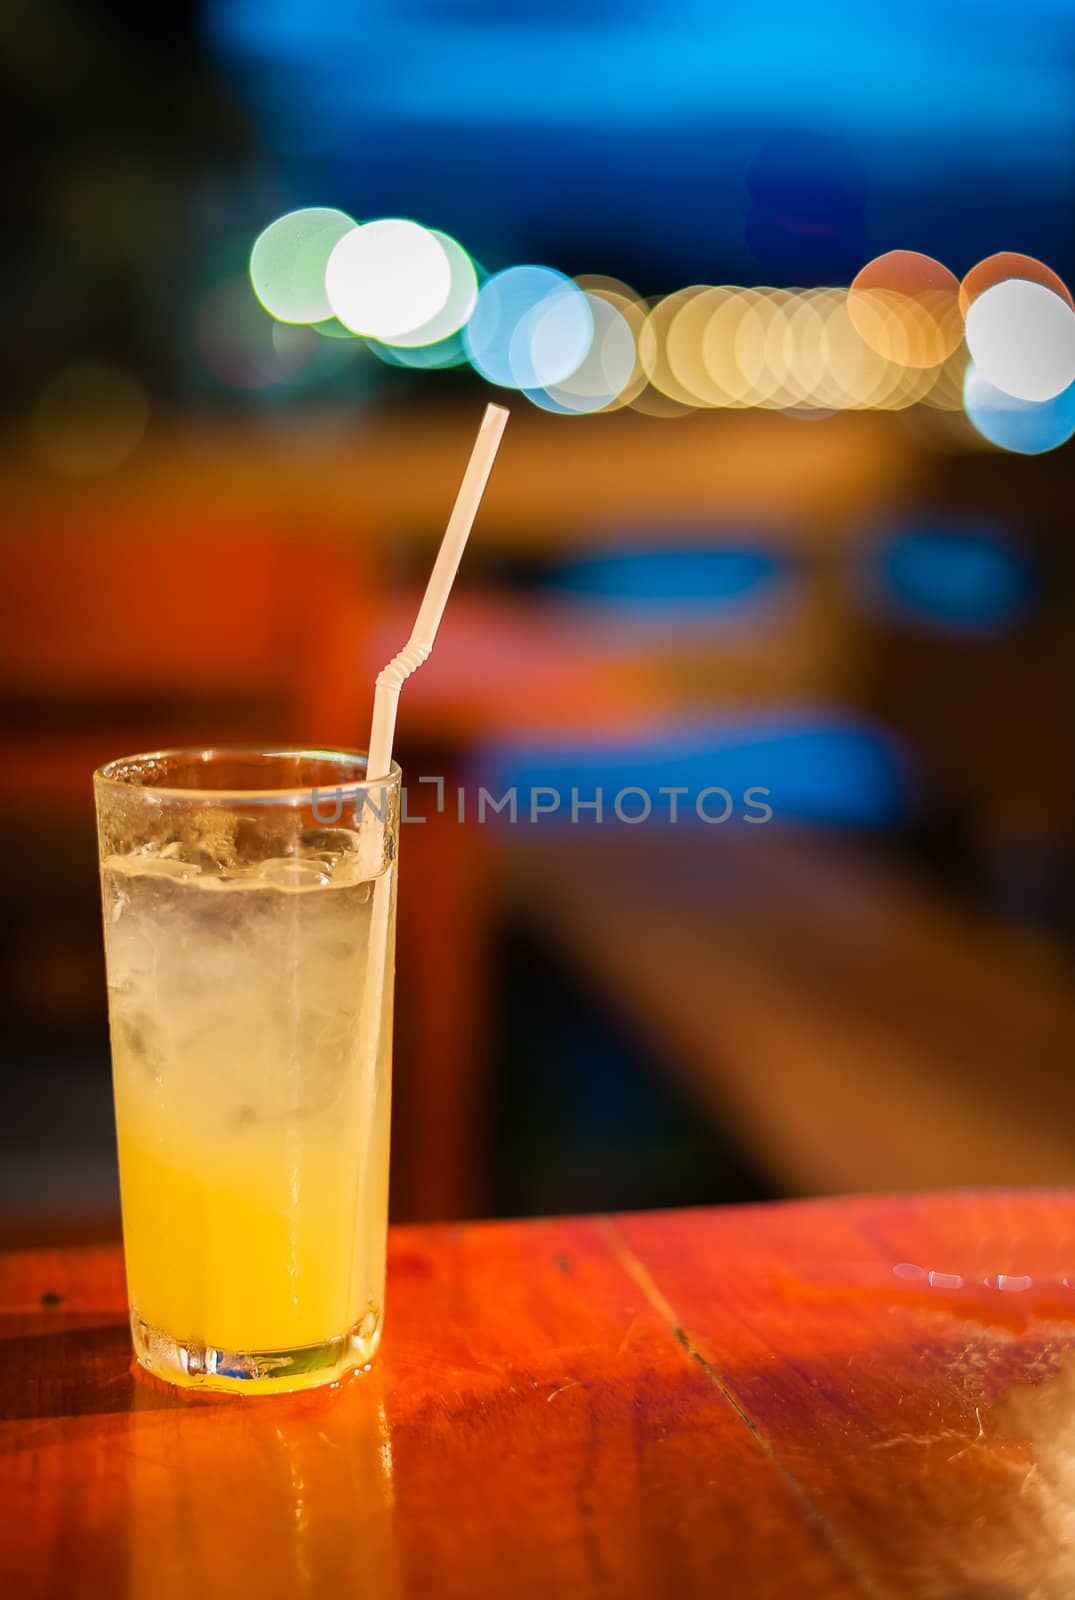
(531, 327)
(964, 580)
(821, 766)
(684, 584)
(1027, 427)
(605, 372)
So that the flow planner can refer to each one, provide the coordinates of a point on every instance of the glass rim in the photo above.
(106, 775)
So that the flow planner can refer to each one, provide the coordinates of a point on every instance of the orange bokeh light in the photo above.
(1009, 264)
(906, 307)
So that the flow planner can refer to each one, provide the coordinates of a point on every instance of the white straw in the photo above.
(392, 678)
(379, 760)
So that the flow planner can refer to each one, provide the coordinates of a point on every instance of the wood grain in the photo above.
(750, 1402)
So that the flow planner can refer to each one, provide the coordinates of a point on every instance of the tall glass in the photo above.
(249, 915)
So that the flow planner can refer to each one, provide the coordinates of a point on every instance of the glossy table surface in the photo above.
(821, 1399)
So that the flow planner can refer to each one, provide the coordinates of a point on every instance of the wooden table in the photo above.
(823, 1399)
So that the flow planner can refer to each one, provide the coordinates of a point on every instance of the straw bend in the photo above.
(390, 679)
(398, 670)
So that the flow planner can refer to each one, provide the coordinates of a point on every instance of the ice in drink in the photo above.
(253, 1137)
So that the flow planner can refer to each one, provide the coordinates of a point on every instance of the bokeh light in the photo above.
(794, 350)
(806, 324)
(1021, 337)
(959, 579)
(687, 583)
(906, 386)
(720, 345)
(605, 372)
(906, 307)
(457, 308)
(826, 766)
(1027, 427)
(855, 374)
(531, 328)
(653, 399)
(898, 337)
(333, 328)
(288, 262)
(88, 419)
(945, 391)
(388, 278)
(683, 346)
(653, 348)
(634, 310)
(613, 289)
(763, 349)
(1009, 264)
(558, 333)
(436, 357)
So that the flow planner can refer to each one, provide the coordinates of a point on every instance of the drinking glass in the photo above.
(249, 917)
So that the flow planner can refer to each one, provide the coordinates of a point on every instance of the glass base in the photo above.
(189, 1365)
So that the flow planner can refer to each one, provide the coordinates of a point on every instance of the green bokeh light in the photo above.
(333, 328)
(287, 263)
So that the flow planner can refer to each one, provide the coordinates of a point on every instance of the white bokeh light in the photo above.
(388, 278)
(554, 338)
(604, 373)
(1022, 338)
(457, 308)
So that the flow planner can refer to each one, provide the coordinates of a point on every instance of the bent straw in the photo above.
(392, 678)
(379, 759)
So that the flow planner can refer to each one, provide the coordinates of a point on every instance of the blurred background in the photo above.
(854, 599)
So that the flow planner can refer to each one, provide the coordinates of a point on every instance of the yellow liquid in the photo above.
(252, 1100)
